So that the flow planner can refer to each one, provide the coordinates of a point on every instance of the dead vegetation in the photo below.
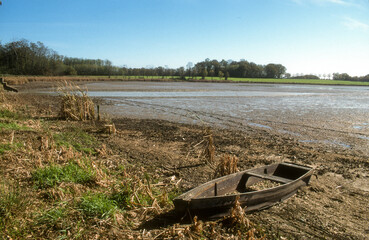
(76, 104)
(222, 165)
(227, 165)
(234, 226)
(77, 188)
(128, 164)
(19, 80)
(16, 80)
(209, 148)
(206, 147)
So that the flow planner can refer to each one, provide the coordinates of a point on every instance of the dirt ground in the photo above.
(334, 206)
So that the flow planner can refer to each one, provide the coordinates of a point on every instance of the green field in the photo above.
(300, 81)
(252, 80)
(256, 80)
(22, 79)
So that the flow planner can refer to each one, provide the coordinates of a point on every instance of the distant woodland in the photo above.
(27, 58)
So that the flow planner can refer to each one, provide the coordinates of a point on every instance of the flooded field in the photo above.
(326, 127)
(330, 115)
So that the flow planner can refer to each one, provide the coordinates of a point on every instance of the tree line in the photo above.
(346, 77)
(27, 58)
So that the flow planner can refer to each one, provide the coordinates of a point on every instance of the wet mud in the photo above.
(334, 206)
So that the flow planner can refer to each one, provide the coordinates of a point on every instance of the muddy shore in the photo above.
(334, 206)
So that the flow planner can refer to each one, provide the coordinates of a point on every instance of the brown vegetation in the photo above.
(61, 181)
(76, 105)
(227, 165)
(128, 179)
(19, 80)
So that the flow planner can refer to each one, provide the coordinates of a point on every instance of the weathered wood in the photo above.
(110, 128)
(98, 112)
(6, 87)
(270, 177)
(216, 198)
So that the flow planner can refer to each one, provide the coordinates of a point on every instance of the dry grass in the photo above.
(238, 224)
(114, 199)
(18, 80)
(227, 165)
(207, 147)
(234, 226)
(76, 104)
(110, 128)
(2, 96)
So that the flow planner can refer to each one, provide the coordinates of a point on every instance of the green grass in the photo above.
(4, 113)
(126, 77)
(5, 147)
(173, 194)
(9, 199)
(252, 80)
(78, 140)
(131, 193)
(11, 203)
(7, 114)
(53, 175)
(97, 205)
(122, 196)
(9, 147)
(11, 126)
(294, 81)
(52, 218)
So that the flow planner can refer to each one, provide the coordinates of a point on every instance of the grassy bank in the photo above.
(300, 81)
(60, 180)
(16, 80)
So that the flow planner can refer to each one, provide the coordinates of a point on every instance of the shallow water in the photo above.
(336, 115)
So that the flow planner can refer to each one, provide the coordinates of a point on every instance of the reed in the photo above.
(209, 147)
(76, 104)
(227, 165)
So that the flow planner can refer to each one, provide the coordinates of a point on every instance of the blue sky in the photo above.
(306, 36)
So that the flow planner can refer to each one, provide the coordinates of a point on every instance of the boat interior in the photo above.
(270, 176)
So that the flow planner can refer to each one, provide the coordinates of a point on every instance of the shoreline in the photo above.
(20, 80)
(169, 150)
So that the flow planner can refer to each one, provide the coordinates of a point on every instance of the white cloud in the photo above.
(321, 2)
(354, 24)
(340, 2)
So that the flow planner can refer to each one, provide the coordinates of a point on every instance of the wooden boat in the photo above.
(217, 197)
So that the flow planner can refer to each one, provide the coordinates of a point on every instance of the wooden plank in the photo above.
(270, 177)
(296, 166)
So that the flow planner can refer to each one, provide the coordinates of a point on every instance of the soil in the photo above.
(334, 206)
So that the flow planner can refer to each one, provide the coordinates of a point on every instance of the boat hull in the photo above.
(210, 199)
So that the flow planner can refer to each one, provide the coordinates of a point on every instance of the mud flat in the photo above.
(328, 115)
(325, 127)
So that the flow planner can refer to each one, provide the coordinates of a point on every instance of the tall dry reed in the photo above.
(227, 165)
(76, 104)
